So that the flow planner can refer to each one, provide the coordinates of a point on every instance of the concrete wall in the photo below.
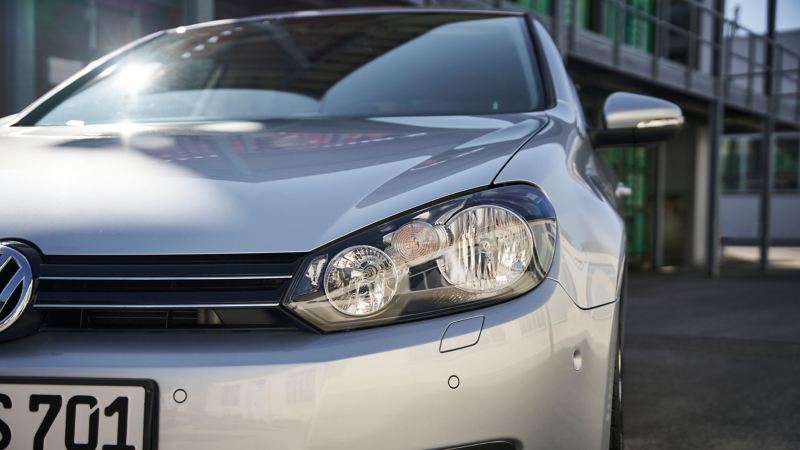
(686, 195)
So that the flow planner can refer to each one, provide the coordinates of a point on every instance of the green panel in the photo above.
(540, 6)
(637, 30)
(787, 160)
(584, 8)
(632, 165)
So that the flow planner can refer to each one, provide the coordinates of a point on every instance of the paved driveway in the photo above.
(713, 364)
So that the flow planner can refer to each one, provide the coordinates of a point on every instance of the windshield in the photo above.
(368, 65)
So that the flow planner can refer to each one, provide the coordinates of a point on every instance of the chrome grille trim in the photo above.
(157, 306)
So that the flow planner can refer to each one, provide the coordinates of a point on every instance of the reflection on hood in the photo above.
(237, 187)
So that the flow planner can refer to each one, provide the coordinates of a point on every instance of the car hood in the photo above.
(238, 187)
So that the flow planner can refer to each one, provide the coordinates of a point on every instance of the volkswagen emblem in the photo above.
(16, 284)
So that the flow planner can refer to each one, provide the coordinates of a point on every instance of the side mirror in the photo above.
(632, 119)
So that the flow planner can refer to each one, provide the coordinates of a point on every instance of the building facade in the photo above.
(699, 191)
(741, 172)
(740, 167)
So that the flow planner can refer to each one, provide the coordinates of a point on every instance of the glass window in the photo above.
(740, 163)
(730, 166)
(787, 163)
(321, 66)
(751, 152)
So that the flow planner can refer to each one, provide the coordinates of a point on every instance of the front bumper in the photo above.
(379, 388)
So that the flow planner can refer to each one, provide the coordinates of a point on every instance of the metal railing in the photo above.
(697, 38)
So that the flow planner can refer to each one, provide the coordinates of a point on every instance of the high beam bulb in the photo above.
(491, 249)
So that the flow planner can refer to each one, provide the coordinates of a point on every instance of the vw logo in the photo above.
(16, 284)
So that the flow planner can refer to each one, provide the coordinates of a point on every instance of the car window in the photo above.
(321, 66)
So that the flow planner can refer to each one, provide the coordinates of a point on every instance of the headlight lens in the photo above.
(490, 250)
(461, 253)
(360, 281)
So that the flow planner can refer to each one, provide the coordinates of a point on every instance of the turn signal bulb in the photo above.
(418, 241)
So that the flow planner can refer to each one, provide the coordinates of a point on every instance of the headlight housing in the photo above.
(462, 253)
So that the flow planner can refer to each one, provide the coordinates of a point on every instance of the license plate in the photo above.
(77, 414)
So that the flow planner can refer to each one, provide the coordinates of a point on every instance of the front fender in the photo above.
(591, 250)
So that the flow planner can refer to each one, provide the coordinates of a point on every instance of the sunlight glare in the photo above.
(134, 77)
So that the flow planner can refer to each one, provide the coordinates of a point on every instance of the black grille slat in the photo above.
(165, 292)
(166, 319)
(132, 319)
(173, 285)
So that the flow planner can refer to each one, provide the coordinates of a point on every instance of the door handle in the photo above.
(622, 190)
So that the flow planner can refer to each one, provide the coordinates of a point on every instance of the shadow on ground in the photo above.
(713, 364)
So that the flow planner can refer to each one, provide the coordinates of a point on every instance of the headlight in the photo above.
(466, 252)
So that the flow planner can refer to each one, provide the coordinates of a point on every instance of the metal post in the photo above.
(716, 126)
(198, 11)
(619, 29)
(20, 58)
(660, 197)
(658, 40)
(797, 93)
(91, 18)
(558, 27)
(691, 57)
(666, 31)
(716, 120)
(767, 138)
(573, 29)
(751, 56)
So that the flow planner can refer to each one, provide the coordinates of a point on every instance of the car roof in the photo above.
(355, 11)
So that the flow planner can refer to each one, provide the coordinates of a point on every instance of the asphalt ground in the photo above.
(712, 364)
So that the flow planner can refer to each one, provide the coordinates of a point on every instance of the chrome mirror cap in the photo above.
(632, 119)
(626, 110)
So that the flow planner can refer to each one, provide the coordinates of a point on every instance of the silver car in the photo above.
(355, 229)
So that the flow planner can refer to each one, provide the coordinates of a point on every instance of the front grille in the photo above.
(165, 292)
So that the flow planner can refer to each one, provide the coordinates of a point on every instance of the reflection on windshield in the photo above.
(372, 65)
